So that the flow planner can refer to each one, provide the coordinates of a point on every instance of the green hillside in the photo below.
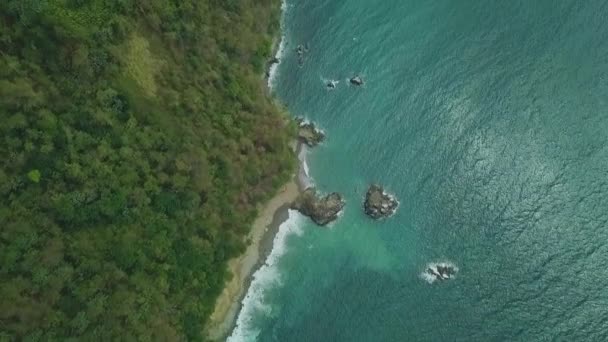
(137, 141)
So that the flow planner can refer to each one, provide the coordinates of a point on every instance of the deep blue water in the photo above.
(489, 121)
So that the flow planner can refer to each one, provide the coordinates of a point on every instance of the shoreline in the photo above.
(263, 231)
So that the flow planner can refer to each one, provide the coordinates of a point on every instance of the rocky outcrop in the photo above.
(357, 80)
(308, 133)
(270, 63)
(322, 210)
(378, 204)
(442, 271)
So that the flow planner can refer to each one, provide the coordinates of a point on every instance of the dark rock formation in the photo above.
(331, 84)
(442, 271)
(271, 62)
(308, 133)
(378, 204)
(322, 210)
(358, 81)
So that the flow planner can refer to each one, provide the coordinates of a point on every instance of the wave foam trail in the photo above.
(304, 175)
(268, 276)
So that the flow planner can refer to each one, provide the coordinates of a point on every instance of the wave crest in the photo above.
(266, 277)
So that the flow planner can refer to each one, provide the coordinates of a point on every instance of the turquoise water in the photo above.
(489, 121)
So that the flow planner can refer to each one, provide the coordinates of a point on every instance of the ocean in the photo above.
(489, 122)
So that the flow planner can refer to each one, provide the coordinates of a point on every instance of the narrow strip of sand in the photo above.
(262, 232)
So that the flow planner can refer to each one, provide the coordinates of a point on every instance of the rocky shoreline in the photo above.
(308, 133)
(321, 210)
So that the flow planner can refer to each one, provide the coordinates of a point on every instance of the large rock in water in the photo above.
(378, 204)
(308, 133)
(322, 210)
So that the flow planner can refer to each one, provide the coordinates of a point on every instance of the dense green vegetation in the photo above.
(137, 141)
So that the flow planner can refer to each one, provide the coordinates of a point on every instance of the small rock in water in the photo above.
(378, 204)
(441, 271)
(322, 210)
(357, 80)
(332, 84)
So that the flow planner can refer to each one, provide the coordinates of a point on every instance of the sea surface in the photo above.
(489, 121)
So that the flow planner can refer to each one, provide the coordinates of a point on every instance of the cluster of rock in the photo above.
(308, 133)
(378, 204)
(322, 210)
(355, 80)
(302, 50)
(441, 271)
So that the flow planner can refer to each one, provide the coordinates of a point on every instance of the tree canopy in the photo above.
(137, 142)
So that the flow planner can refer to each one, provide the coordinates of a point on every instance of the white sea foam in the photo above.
(302, 159)
(272, 72)
(392, 198)
(429, 278)
(266, 277)
(326, 81)
(304, 175)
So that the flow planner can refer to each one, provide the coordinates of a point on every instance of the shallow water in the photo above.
(489, 121)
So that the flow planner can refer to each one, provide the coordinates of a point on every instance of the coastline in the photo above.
(264, 229)
(262, 234)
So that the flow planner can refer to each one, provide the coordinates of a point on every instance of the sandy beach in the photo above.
(262, 233)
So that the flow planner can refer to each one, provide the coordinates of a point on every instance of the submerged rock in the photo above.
(378, 204)
(322, 210)
(357, 80)
(331, 84)
(300, 51)
(308, 133)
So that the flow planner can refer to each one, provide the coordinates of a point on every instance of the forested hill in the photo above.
(137, 141)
